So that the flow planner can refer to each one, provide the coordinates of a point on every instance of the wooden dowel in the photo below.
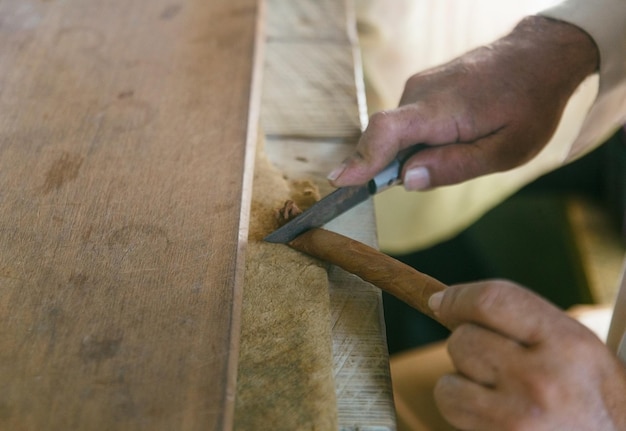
(384, 272)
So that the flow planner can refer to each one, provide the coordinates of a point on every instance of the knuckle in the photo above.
(489, 295)
(445, 395)
(543, 391)
(460, 334)
(455, 408)
(413, 83)
(442, 388)
(380, 122)
(460, 342)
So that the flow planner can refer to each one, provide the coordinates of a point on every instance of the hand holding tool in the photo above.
(383, 271)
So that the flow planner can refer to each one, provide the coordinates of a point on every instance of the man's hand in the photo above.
(523, 364)
(490, 110)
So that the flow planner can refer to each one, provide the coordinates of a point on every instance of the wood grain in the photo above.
(312, 86)
(362, 375)
(308, 158)
(364, 400)
(314, 20)
(123, 142)
(302, 76)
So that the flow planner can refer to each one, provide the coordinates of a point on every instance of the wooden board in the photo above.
(312, 110)
(361, 359)
(302, 77)
(329, 20)
(311, 60)
(123, 199)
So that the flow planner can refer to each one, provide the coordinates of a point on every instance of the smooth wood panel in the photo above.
(310, 90)
(361, 361)
(312, 81)
(291, 20)
(122, 188)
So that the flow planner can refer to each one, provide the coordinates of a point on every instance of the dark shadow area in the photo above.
(527, 238)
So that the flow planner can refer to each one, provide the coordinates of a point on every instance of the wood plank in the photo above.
(361, 363)
(312, 81)
(362, 375)
(312, 110)
(310, 90)
(307, 158)
(291, 20)
(123, 142)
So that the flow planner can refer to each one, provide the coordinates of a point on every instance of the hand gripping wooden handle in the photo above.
(384, 272)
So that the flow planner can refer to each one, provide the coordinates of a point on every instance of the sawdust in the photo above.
(285, 378)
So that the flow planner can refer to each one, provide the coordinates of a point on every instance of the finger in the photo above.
(466, 405)
(387, 133)
(501, 306)
(479, 353)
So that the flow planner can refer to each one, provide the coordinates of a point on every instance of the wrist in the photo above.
(557, 52)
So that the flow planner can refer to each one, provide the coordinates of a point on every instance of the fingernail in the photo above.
(336, 173)
(417, 178)
(434, 302)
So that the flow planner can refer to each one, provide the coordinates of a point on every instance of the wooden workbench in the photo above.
(126, 140)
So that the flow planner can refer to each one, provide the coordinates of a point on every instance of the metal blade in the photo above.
(338, 202)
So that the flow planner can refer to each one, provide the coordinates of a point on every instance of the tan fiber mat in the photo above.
(285, 379)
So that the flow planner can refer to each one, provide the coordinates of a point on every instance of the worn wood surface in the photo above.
(122, 188)
(285, 376)
(312, 111)
(309, 82)
(361, 359)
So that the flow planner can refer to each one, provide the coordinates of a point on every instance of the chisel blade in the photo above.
(336, 203)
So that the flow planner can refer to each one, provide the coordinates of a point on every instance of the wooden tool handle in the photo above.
(384, 272)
